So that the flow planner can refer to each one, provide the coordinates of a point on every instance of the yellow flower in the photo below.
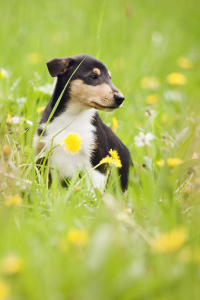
(9, 120)
(152, 99)
(6, 150)
(34, 58)
(114, 124)
(77, 237)
(12, 264)
(176, 79)
(150, 83)
(185, 63)
(160, 162)
(114, 159)
(4, 290)
(14, 200)
(3, 73)
(40, 109)
(171, 241)
(173, 162)
(72, 142)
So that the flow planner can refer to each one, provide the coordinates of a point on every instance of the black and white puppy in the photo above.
(89, 89)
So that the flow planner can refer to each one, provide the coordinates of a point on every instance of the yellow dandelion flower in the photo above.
(113, 159)
(160, 162)
(72, 142)
(173, 162)
(150, 83)
(14, 200)
(6, 150)
(114, 124)
(176, 79)
(106, 160)
(171, 241)
(185, 63)
(77, 237)
(152, 99)
(9, 120)
(12, 264)
(41, 109)
(4, 290)
(34, 58)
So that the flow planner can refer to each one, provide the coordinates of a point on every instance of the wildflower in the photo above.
(12, 264)
(77, 237)
(29, 122)
(160, 162)
(152, 99)
(4, 73)
(171, 241)
(106, 160)
(142, 139)
(9, 120)
(195, 155)
(72, 142)
(46, 89)
(150, 83)
(34, 58)
(176, 79)
(173, 95)
(14, 200)
(4, 290)
(114, 159)
(173, 162)
(114, 124)
(6, 150)
(185, 63)
(15, 120)
(40, 109)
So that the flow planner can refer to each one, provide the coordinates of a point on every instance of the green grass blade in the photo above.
(183, 149)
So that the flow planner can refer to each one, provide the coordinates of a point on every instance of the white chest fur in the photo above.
(67, 163)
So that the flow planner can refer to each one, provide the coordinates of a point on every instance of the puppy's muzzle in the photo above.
(119, 98)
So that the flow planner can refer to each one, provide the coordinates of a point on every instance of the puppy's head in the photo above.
(91, 84)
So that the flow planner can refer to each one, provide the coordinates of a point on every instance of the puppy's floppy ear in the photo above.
(59, 66)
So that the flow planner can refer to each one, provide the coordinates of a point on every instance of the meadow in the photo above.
(58, 243)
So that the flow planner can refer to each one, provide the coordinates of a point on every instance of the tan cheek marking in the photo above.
(39, 148)
(85, 95)
(96, 71)
(109, 74)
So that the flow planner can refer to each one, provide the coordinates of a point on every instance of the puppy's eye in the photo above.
(93, 76)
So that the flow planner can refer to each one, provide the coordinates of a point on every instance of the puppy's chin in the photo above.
(103, 107)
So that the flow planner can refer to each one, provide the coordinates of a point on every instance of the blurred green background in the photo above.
(111, 254)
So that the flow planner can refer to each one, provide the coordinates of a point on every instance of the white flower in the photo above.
(29, 122)
(46, 89)
(4, 73)
(15, 120)
(143, 139)
(173, 95)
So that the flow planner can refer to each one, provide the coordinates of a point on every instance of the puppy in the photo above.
(89, 90)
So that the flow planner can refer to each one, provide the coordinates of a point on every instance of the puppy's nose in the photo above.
(119, 98)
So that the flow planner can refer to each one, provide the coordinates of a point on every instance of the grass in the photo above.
(67, 244)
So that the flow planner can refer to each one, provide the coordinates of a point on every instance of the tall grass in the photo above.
(72, 244)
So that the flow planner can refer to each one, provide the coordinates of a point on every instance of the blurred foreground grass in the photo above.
(144, 244)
